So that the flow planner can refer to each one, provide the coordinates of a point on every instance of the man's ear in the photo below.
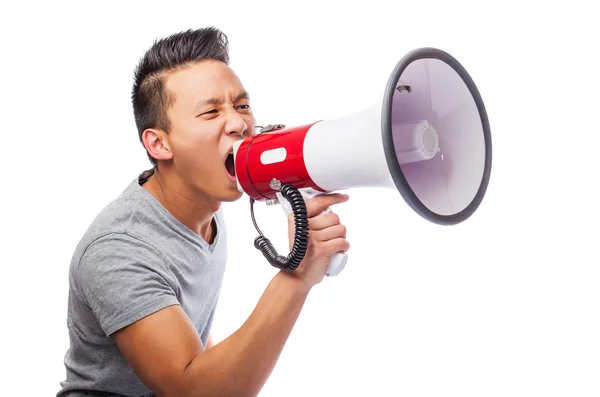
(156, 142)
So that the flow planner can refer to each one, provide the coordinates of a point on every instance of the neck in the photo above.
(194, 209)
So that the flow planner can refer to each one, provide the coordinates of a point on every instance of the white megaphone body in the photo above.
(428, 137)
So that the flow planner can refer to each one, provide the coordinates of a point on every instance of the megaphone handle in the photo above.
(337, 261)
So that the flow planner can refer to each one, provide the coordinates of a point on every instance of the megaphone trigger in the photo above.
(337, 261)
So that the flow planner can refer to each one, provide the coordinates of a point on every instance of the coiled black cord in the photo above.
(291, 262)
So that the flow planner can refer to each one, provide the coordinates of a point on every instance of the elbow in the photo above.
(200, 381)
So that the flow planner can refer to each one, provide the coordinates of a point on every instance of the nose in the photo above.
(236, 125)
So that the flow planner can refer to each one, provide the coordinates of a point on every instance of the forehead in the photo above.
(205, 79)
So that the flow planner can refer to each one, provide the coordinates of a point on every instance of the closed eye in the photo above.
(213, 111)
(209, 112)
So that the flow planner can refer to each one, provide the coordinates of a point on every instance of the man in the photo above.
(146, 276)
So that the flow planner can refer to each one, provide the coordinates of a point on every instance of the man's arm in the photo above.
(166, 353)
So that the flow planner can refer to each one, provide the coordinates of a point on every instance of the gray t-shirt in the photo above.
(135, 259)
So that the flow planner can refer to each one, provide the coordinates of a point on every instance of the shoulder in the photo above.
(131, 213)
(117, 214)
(113, 237)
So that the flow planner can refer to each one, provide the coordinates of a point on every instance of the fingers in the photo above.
(336, 245)
(329, 239)
(323, 249)
(326, 234)
(323, 221)
(330, 233)
(318, 204)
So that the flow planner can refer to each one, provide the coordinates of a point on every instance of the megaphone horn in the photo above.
(428, 137)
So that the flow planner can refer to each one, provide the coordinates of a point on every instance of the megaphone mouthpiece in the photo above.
(415, 141)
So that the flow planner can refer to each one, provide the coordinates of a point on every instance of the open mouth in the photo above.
(229, 165)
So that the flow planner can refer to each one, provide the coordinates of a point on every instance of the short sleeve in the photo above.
(123, 280)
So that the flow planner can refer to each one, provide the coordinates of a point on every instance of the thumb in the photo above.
(318, 204)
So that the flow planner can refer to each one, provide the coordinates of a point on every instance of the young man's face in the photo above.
(210, 112)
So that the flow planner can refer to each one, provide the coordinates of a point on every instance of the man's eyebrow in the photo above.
(217, 101)
(242, 95)
(209, 101)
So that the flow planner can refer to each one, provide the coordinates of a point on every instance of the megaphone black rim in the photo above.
(388, 143)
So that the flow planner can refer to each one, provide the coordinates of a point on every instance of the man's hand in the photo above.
(326, 236)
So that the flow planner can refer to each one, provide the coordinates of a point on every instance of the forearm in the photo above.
(241, 364)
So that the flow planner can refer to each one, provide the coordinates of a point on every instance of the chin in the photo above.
(234, 196)
(230, 195)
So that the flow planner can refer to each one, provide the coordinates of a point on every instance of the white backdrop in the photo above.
(505, 304)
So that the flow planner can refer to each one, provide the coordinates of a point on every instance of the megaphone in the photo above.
(428, 137)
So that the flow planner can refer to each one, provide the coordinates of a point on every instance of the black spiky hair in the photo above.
(149, 96)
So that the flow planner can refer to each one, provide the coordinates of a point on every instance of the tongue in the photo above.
(229, 165)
